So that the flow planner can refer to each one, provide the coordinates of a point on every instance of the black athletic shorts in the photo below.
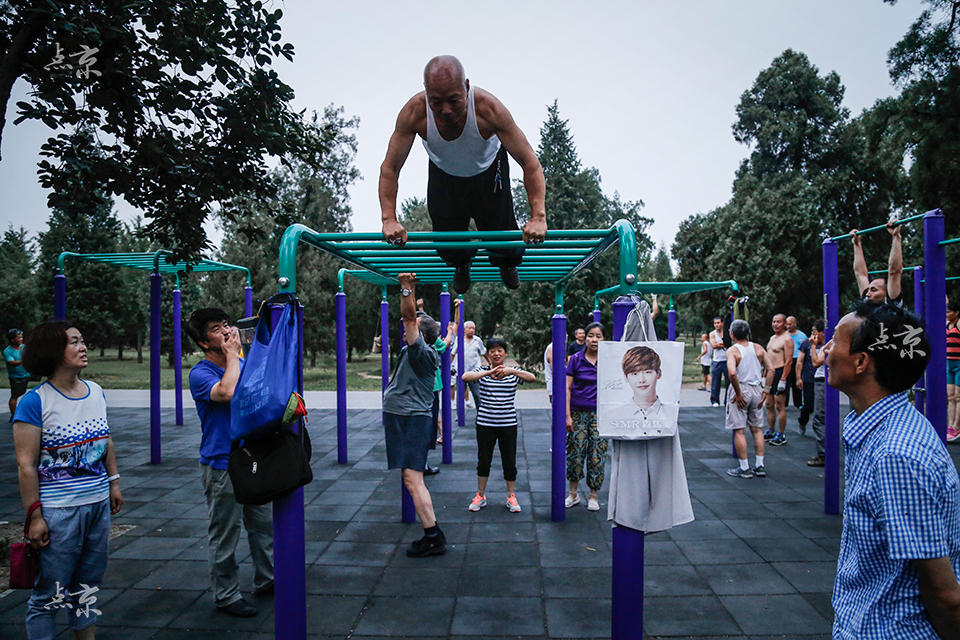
(704, 369)
(777, 374)
(452, 201)
(18, 386)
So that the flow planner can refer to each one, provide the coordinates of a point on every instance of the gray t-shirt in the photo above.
(410, 392)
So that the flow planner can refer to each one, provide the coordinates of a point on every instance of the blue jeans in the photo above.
(76, 555)
(719, 370)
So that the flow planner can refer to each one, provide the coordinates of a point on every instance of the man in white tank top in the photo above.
(747, 365)
(467, 133)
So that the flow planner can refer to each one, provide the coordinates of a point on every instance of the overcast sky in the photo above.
(649, 88)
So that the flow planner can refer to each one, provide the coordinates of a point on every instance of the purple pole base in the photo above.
(558, 440)
(935, 309)
(60, 297)
(155, 368)
(446, 412)
(596, 315)
(671, 324)
(289, 542)
(408, 513)
(831, 439)
(177, 360)
(919, 393)
(341, 304)
(627, 606)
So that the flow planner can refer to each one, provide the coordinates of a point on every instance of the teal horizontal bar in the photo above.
(512, 244)
(949, 241)
(861, 232)
(446, 236)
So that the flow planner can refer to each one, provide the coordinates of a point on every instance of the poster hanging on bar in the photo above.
(638, 389)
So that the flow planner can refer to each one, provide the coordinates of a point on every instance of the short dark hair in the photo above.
(640, 359)
(896, 341)
(43, 350)
(593, 325)
(13, 333)
(818, 324)
(718, 318)
(495, 342)
(740, 329)
(952, 306)
(579, 329)
(429, 329)
(197, 325)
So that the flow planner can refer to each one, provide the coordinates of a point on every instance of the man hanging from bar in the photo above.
(467, 133)
(880, 290)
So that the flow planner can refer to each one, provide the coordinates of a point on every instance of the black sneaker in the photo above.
(737, 472)
(769, 433)
(431, 471)
(461, 278)
(240, 609)
(510, 277)
(759, 471)
(778, 440)
(428, 546)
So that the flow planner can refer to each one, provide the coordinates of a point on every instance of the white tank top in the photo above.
(547, 369)
(749, 370)
(468, 155)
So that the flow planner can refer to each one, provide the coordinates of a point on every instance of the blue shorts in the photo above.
(953, 372)
(408, 440)
(76, 555)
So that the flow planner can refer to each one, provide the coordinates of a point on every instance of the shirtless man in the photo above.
(467, 133)
(780, 351)
(880, 290)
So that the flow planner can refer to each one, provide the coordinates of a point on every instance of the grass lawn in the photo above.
(363, 374)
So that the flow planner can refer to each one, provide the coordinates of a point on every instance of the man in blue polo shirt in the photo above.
(212, 383)
(13, 355)
(900, 550)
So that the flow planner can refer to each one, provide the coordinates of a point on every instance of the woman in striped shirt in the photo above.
(497, 420)
(953, 372)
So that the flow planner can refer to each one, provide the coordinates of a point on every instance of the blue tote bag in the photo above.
(270, 375)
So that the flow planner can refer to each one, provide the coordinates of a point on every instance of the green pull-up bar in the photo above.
(861, 232)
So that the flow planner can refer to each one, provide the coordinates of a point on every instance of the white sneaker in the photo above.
(571, 501)
(716, 404)
(593, 505)
(468, 403)
(477, 503)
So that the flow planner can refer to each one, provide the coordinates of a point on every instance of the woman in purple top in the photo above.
(584, 443)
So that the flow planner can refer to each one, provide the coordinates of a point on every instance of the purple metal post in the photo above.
(627, 605)
(558, 447)
(60, 297)
(155, 368)
(177, 359)
(919, 394)
(289, 542)
(935, 310)
(247, 302)
(596, 315)
(384, 342)
(446, 414)
(341, 305)
(672, 324)
(461, 400)
(831, 440)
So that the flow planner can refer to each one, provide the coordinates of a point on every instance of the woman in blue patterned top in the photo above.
(67, 468)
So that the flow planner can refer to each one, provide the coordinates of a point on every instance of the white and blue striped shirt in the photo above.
(497, 400)
(902, 504)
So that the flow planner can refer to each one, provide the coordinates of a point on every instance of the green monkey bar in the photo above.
(150, 261)
(557, 259)
(665, 288)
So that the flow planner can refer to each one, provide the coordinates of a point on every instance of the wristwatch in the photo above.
(406, 292)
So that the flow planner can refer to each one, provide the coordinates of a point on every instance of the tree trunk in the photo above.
(120, 351)
(12, 62)
(139, 346)
(313, 359)
(349, 353)
(102, 351)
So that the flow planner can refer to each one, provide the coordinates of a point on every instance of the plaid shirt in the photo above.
(902, 503)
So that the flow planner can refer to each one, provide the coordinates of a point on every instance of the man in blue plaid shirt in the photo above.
(900, 551)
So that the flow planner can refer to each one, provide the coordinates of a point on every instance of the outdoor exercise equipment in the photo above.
(930, 293)
(561, 256)
(157, 263)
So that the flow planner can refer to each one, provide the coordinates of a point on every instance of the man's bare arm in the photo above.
(519, 148)
(940, 595)
(859, 264)
(408, 307)
(732, 370)
(401, 141)
(895, 263)
(817, 359)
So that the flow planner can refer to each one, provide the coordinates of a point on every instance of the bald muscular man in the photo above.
(467, 133)
(880, 290)
(780, 349)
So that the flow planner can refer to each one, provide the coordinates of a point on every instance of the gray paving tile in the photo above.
(415, 617)
(400, 581)
(809, 576)
(687, 616)
(775, 615)
(480, 616)
(744, 579)
(357, 553)
(502, 553)
(674, 580)
(559, 554)
(789, 549)
(723, 551)
(508, 581)
(567, 621)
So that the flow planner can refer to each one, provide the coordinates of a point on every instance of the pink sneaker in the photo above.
(477, 503)
(953, 435)
(512, 504)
